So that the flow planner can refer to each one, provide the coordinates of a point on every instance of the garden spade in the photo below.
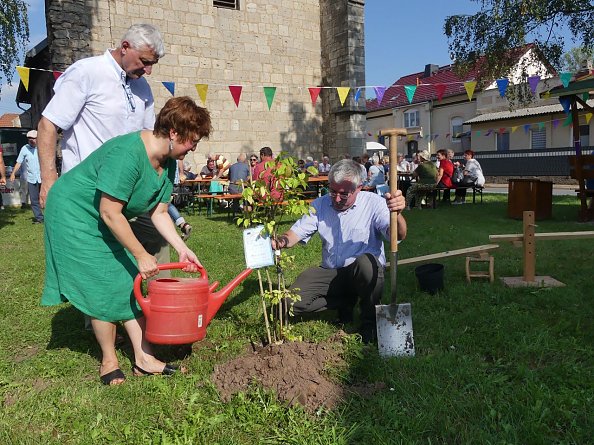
(394, 321)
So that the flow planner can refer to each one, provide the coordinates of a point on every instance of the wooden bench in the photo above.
(476, 190)
(582, 168)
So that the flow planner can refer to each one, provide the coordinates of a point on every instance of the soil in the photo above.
(295, 371)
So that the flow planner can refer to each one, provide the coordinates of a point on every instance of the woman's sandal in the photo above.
(169, 369)
(108, 378)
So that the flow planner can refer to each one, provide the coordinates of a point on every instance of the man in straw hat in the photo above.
(425, 175)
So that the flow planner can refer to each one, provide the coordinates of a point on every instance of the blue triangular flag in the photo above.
(565, 102)
(170, 87)
(502, 85)
(357, 94)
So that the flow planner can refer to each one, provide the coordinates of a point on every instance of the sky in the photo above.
(401, 37)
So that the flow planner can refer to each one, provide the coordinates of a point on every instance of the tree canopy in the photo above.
(502, 25)
(14, 35)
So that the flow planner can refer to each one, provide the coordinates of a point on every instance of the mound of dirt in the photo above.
(295, 371)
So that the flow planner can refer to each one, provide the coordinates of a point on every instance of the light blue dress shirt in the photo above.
(346, 235)
(29, 156)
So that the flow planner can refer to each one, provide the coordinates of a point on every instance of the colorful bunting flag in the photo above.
(410, 92)
(379, 93)
(343, 92)
(236, 93)
(567, 121)
(533, 82)
(57, 74)
(566, 103)
(502, 130)
(489, 131)
(585, 96)
(565, 78)
(546, 95)
(514, 128)
(440, 89)
(470, 86)
(588, 117)
(314, 92)
(358, 95)
(202, 89)
(541, 125)
(555, 123)
(526, 128)
(24, 75)
(170, 87)
(478, 133)
(502, 85)
(269, 92)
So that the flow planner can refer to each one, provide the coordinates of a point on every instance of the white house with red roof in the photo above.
(434, 105)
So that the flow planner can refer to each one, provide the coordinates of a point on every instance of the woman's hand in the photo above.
(187, 256)
(147, 265)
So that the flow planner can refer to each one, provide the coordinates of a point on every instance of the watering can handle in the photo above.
(168, 266)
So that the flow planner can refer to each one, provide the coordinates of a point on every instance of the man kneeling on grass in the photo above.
(353, 226)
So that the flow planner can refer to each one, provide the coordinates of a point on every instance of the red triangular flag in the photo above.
(440, 89)
(57, 74)
(236, 93)
(314, 92)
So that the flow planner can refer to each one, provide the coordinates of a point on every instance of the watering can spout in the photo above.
(218, 298)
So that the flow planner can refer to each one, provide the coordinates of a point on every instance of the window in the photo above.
(538, 138)
(457, 128)
(227, 4)
(585, 135)
(411, 119)
(502, 140)
(412, 147)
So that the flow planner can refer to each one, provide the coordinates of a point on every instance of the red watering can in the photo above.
(178, 310)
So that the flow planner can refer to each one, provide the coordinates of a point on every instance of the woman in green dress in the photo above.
(92, 255)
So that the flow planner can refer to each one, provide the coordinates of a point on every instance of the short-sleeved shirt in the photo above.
(91, 104)
(350, 233)
(85, 263)
(30, 158)
(427, 173)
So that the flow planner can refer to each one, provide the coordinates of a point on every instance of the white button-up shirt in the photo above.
(348, 234)
(92, 104)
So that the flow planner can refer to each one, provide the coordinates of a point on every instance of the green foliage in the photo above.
(492, 34)
(574, 58)
(14, 35)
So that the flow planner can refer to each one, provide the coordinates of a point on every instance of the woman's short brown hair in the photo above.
(182, 115)
(469, 153)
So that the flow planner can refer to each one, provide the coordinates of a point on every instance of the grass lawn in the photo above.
(493, 364)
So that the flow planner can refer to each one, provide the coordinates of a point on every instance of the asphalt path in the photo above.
(558, 190)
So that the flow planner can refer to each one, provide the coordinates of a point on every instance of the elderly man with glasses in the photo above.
(29, 156)
(353, 226)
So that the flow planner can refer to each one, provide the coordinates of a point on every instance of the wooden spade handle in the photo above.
(393, 189)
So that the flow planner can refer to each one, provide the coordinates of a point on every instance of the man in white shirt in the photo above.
(97, 99)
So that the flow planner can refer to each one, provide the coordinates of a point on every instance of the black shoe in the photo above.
(37, 221)
(368, 334)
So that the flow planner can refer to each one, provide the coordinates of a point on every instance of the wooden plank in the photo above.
(447, 254)
(513, 237)
(529, 253)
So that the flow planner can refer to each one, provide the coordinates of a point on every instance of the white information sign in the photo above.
(257, 248)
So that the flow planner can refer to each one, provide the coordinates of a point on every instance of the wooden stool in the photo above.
(482, 258)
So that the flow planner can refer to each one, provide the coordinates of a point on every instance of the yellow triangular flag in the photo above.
(546, 95)
(588, 117)
(470, 86)
(514, 128)
(24, 75)
(343, 92)
(202, 89)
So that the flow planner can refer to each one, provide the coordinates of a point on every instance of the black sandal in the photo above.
(106, 379)
(169, 369)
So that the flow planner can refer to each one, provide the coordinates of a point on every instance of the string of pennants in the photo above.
(343, 92)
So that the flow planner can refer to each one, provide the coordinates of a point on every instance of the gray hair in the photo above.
(143, 35)
(346, 170)
(241, 157)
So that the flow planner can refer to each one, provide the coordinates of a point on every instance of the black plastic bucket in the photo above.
(430, 277)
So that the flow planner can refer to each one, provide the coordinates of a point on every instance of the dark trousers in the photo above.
(34, 196)
(322, 289)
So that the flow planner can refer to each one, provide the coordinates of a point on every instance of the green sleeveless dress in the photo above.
(85, 263)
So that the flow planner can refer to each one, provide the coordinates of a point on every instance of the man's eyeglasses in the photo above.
(343, 196)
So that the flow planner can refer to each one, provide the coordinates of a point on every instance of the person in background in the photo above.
(403, 164)
(301, 165)
(366, 162)
(92, 255)
(473, 175)
(187, 172)
(424, 176)
(210, 170)
(309, 162)
(176, 217)
(264, 172)
(353, 227)
(444, 174)
(324, 166)
(2, 175)
(386, 164)
(253, 163)
(30, 157)
(238, 173)
(359, 161)
(221, 163)
(376, 175)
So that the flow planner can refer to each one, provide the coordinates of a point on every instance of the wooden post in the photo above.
(529, 247)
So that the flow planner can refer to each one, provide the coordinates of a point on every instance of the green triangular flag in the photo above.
(269, 92)
(410, 92)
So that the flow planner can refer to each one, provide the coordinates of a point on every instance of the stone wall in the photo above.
(343, 64)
